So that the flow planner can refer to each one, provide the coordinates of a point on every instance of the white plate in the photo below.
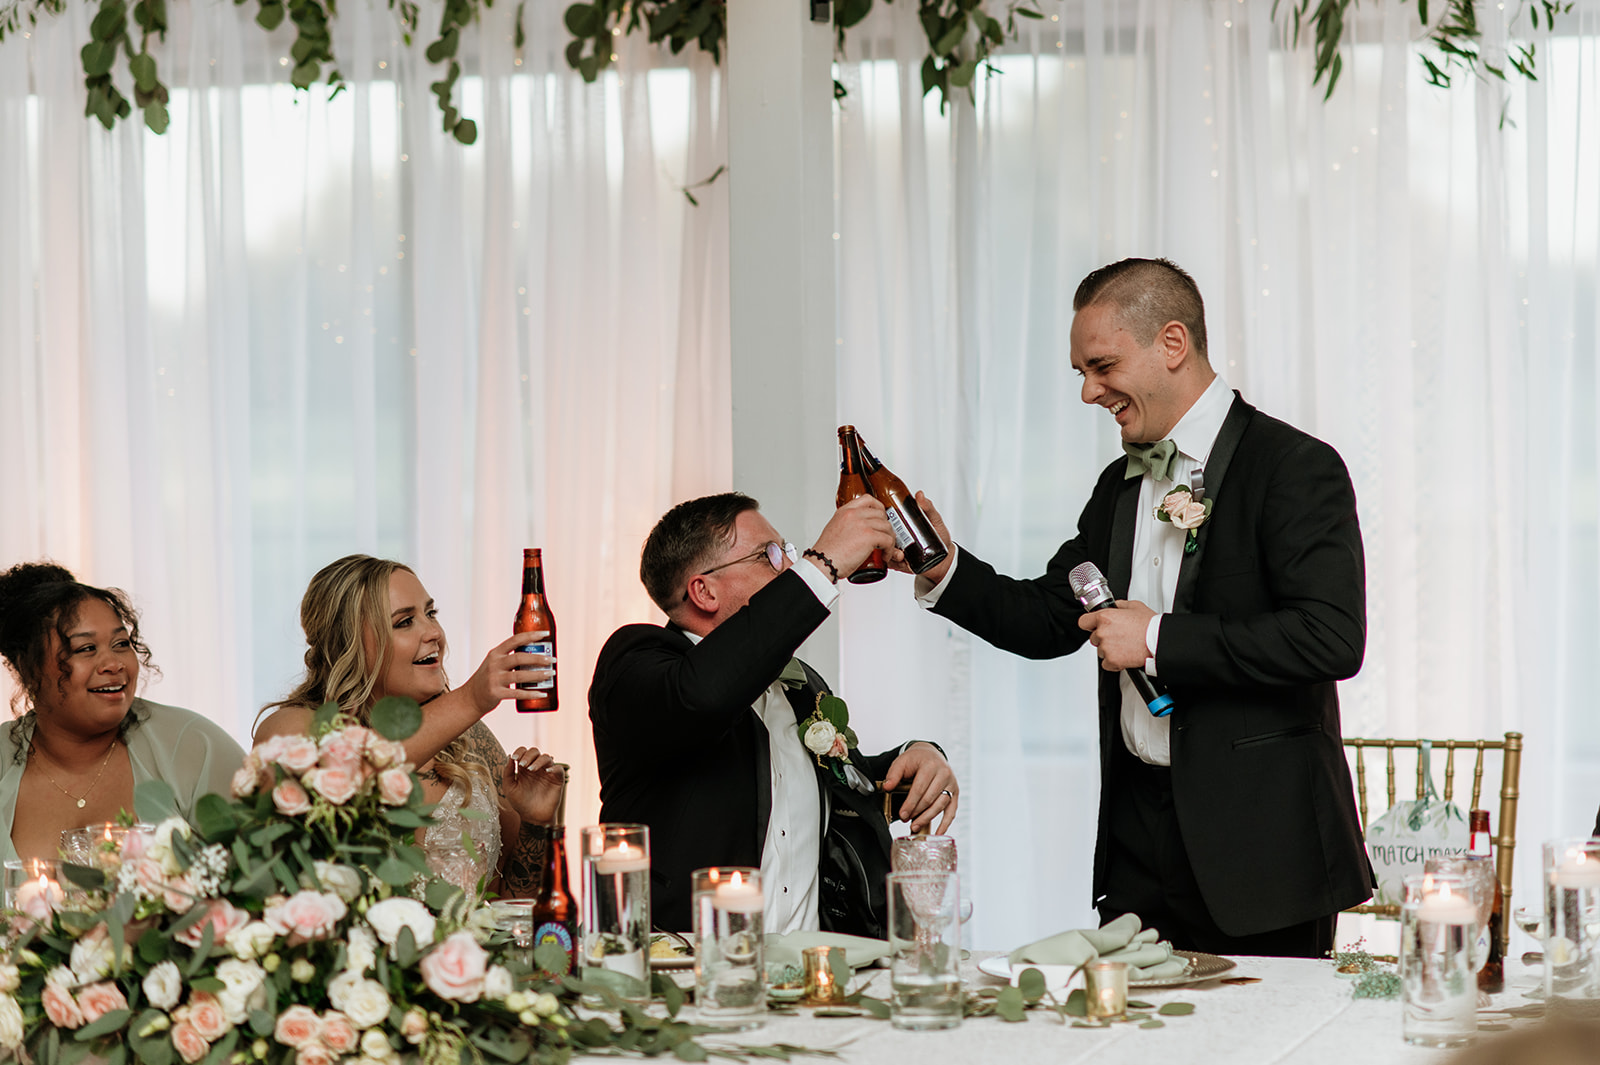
(1201, 967)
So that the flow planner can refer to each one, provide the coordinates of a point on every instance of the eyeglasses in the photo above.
(774, 552)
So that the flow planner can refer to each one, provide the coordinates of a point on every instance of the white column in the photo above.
(780, 172)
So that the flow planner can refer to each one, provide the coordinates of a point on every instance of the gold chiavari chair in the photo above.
(1505, 826)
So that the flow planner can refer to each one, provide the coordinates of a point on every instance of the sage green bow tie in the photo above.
(793, 675)
(1156, 458)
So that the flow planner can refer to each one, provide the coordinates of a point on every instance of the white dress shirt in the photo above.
(799, 817)
(1157, 555)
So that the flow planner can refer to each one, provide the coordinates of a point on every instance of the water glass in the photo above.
(730, 976)
(925, 936)
(616, 910)
(1438, 985)
(1572, 926)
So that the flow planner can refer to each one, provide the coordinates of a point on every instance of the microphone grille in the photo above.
(1085, 577)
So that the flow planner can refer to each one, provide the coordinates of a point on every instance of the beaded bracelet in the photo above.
(812, 552)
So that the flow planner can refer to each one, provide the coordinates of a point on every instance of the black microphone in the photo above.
(1092, 590)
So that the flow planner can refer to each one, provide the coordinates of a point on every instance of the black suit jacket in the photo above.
(680, 748)
(1269, 611)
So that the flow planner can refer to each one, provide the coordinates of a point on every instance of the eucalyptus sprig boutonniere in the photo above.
(1182, 509)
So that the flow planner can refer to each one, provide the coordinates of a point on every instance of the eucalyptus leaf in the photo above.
(143, 69)
(154, 801)
(1031, 983)
(1077, 1003)
(1010, 1005)
(270, 17)
(1176, 1009)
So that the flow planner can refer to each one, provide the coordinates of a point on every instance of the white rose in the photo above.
(339, 989)
(244, 988)
(819, 737)
(10, 1023)
(10, 977)
(366, 1004)
(497, 982)
(61, 976)
(342, 880)
(250, 941)
(374, 1044)
(162, 985)
(92, 957)
(362, 949)
(391, 915)
(161, 849)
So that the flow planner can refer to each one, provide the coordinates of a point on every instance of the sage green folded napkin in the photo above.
(1123, 939)
(858, 951)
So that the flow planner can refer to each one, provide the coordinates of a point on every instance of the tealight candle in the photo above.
(39, 898)
(1105, 990)
(737, 896)
(622, 859)
(1447, 907)
(1579, 871)
(821, 989)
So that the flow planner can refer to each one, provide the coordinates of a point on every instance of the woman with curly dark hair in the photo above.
(82, 738)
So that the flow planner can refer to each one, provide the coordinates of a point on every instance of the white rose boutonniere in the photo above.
(827, 735)
(1180, 508)
(819, 737)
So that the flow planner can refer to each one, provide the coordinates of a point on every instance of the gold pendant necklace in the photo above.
(81, 800)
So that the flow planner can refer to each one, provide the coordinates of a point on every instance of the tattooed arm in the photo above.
(528, 785)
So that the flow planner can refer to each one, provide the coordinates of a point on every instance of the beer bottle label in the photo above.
(557, 933)
(538, 649)
(902, 535)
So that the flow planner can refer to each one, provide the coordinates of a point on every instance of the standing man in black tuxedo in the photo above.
(697, 724)
(1229, 825)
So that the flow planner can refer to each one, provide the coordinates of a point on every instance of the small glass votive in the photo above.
(1105, 991)
(103, 844)
(825, 974)
(34, 888)
(616, 909)
(514, 917)
(1438, 988)
(1572, 926)
(730, 973)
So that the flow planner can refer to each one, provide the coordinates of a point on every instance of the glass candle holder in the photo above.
(730, 975)
(1438, 985)
(826, 975)
(514, 917)
(1479, 877)
(1105, 991)
(1572, 926)
(616, 909)
(925, 938)
(34, 887)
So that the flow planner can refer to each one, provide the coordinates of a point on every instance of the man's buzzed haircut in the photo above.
(1147, 293)
(685, 541)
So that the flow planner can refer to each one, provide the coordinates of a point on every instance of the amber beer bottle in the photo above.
(913, 532)
(534, 616)
(555, 915)
(1480, 848)
(853, 483)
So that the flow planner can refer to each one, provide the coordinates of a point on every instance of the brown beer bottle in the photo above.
(913, 532)
(534, 616)
(853, 483)
(1480, 848)
(555, 915)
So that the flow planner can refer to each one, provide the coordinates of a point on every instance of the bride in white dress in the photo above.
(372, 631)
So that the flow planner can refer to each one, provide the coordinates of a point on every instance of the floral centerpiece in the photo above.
(295, 922)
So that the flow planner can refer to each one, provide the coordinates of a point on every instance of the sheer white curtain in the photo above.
(1408, 272)
(295, 328)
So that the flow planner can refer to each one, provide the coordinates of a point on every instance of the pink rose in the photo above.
(136, 843)
(190, 1044)
(207, 1016)
(414, 1026)
(178, 894)
(840, 748)
(305, 916)
(222, 917)
(335, 783)
(269, 752)
(338, 1034)
(299, 753)
(313, 1054)
(61, 1007)
(1189, 516)
(290, 797)
(341, 750)
(297, 1027)
(455, 968)
(384, 753)
(245, 781)
(394, 787)
(97, 1000)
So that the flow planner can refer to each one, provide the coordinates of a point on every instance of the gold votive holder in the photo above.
(822, 968)
(1105, 985)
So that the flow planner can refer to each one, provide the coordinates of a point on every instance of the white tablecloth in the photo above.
(1299, 1014)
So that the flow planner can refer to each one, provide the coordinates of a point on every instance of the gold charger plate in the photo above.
(1202, 967)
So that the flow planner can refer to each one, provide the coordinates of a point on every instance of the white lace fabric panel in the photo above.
(444, 845)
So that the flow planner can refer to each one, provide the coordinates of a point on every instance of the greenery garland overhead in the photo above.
(962, 37)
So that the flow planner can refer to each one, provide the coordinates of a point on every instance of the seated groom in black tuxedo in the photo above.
(697, 724)
(1229, 825)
